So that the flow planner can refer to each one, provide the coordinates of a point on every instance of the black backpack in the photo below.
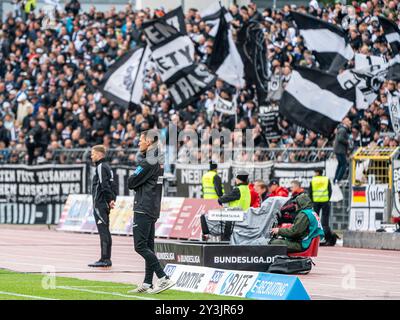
(291, 265)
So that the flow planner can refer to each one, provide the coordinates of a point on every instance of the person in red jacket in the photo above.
(255, 198)
(288, 210)
(275, 190)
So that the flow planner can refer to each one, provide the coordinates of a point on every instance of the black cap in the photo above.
(242, 175)
(213, 165)
(273, 182)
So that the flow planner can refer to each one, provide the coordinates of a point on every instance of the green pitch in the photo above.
(23, 286)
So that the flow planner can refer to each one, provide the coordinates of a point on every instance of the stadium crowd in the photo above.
(48, 78)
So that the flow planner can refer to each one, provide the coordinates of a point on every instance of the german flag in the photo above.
(360, 194)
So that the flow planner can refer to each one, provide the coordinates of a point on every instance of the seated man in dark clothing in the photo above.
(288, 210)
(305, 228)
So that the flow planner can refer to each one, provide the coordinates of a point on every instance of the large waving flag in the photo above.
(326, 40)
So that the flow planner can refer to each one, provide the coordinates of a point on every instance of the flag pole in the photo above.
(137, 73)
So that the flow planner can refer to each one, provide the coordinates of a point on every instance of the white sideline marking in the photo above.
(24, 295)
(105, 292)
(127, 286)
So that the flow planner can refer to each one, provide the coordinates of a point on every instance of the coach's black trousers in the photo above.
(101, 216)
(323, 210)
(143, 237)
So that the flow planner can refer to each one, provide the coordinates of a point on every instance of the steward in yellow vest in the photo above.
(321, 192)
(212, 183)
(30, 5)
(240, 195)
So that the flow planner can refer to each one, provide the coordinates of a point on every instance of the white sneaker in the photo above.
(141, 289)
(162, 285)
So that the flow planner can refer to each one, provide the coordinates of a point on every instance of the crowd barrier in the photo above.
(36, 194)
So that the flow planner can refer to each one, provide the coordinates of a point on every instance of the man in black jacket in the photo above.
(341, 148)
(147, 181)
(104, 196)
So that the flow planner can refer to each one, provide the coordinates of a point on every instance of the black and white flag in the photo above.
(392, 34)
(211, 16)
(225, 59)
(367, 77)
(316, 100)
(394, 110)
(253, 49)
(175, 18)
(326, 41)
(371, 73)
(173, 55)
(123, 82)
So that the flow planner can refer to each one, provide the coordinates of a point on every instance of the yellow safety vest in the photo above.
(208, 185)
(319, 185)
(30, 5)
(245, 198)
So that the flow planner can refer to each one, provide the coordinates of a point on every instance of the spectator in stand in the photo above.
(262, 190)
(275, 190)
(288, 210)
(341, 148)
(255, 198)
(5, 135)
(73, 6)
(52, 75)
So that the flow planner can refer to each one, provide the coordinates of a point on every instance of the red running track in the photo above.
(340, 273)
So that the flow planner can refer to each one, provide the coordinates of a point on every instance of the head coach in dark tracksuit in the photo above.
(103, 201)
(147, 182)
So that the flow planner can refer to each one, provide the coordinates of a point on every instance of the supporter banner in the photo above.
(35, 194)
(189, 178)
(225, 106)
(256, 170)
(121, 175)
(254, 285)
(268, 117)
(286, 172)
(275, 88)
